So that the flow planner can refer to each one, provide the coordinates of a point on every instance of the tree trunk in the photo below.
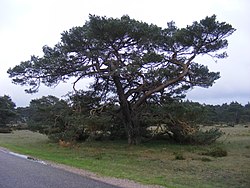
(133, 131)
(129, 120)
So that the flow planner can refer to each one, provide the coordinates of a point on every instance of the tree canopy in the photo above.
(131, 62)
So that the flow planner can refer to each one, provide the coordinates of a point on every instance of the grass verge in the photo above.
(152, 163)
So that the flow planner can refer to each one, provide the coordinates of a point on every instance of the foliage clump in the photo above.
(202, 137)
(179, 156)
(7, 113)
(206, 159)
(216, 152)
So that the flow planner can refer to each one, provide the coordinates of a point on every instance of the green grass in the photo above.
(150, 163)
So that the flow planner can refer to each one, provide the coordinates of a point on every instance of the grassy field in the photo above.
(159, 163)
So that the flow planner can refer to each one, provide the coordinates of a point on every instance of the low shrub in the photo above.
(205, 159)
(205, 137)
(179, 156)
(216, 152)
(185, 133)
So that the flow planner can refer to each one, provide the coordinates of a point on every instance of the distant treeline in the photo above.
(206, 114)
(230, 114)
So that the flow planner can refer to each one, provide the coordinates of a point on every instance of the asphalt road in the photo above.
(19, 172)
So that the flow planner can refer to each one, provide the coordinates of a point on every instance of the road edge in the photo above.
(123, 183)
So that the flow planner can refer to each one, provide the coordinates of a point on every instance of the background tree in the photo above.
(235, 111)
(246, 113)
(7, 112)
(78, 118)
(23, 114)
(45, 112)
(131, 62)
(89, 119)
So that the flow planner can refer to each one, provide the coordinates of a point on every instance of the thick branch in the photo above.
(164, 85)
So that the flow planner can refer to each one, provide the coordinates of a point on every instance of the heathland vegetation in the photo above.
(225, 163)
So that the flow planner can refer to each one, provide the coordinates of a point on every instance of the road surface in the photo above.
(19, 172)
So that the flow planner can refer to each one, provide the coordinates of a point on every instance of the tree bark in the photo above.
(133, 129)
(129, 118)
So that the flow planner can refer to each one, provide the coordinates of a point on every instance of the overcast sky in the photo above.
(27, 25)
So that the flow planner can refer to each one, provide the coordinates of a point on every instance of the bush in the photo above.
(179, 156)
(205, 137)
(216, 152)
(73, 133)
(198, 137)
(205, 159)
